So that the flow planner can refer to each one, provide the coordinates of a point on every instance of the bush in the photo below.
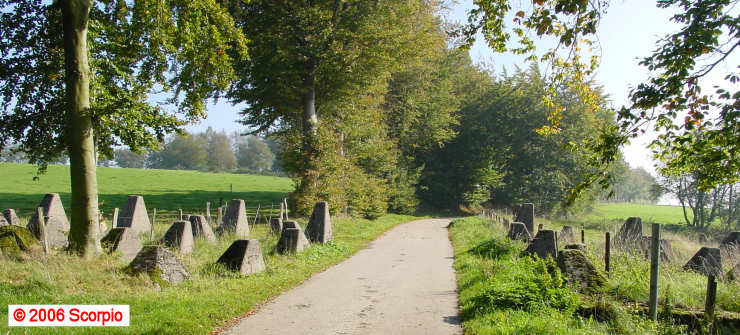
(532, 283)
(343, 185)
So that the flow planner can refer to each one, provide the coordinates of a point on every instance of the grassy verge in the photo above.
(211, 299)
(503, 292)
(630, 270)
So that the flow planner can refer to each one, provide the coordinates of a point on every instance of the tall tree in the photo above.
(220, 153)
(255, 155)
(187, 152)
(498, 157)
(312, 63)
(57, 100)
(128, 159)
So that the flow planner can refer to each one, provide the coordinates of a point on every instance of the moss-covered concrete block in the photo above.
(582, 274)
(17, 239)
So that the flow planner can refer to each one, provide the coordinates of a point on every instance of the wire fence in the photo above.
(259, 213)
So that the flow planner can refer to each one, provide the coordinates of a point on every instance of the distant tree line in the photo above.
(207, 151)
(634, 185)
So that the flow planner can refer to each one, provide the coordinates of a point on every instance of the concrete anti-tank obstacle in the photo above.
(734, 273)
(544, 244)
(576, 246)
(581, 273)
(518, 231)
(235, 219)
(201, 228)
(566, 235)
(292, 238)
(16, 239)
(244, 256)
(3, 221)
(318, 229)
(666, 251)
(180, 237)
(134, 215)
(160, 264)
(123, 240)
(706, 261)
(730, 245)
(57, 225)
(630, 234)
(525, 214)
(276, 225)
(11, 217)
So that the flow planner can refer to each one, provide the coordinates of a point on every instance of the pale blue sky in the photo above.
(629, 31)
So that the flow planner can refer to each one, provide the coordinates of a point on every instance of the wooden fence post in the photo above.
(271, 209)
(711, 297)
(285, 201)
(607, 253)
(42, 229)
(114, 224)
(220, 216)
(179, 214)
(151, 229)
(282, 208)
(208, 212)
(654, 263)
(257, 214)
(583, 236)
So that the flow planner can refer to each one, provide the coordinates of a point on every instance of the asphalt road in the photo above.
(402, 283)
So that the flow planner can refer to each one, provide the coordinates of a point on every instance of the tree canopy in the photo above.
(671, 99)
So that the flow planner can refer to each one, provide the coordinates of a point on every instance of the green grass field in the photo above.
(648, 213)
(166, 190)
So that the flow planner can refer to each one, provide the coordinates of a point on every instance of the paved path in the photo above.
(402, 283)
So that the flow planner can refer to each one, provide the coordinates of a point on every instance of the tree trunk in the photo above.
(84, 230)
(683, 204)
(308, 99)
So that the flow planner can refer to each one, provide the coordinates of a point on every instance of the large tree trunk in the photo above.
(84, 231)
(308, 99)
(310, 118)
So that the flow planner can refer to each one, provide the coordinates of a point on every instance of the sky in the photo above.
(628, 32)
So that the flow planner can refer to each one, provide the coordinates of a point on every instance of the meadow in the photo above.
(662, 214)
(166, 190)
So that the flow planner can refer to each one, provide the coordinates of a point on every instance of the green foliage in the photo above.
(344, 185)
(698, 144)
(182, 152)
(220, 154)
(636, 185)
(255, 155)
(357, 92)
(536, 284)
(497, 156)
(128, 159)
